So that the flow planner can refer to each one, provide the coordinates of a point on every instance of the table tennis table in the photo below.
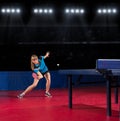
(109, 69)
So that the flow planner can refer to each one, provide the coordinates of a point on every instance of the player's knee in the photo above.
(40, 77)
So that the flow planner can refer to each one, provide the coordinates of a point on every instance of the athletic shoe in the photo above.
(20, 96)
(48, 94)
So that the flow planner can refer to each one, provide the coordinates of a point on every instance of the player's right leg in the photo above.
(33, 85)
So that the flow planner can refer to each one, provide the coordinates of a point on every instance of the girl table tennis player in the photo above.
(40, 70)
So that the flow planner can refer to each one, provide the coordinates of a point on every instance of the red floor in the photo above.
(89, 104)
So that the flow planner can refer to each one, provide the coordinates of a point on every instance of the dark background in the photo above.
(74, 42)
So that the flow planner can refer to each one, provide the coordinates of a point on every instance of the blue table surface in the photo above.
(86, 71)
(108, 63)
(80, 71)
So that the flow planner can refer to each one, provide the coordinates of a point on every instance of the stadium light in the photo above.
(18, 10)
(67, 10)
(42, 10)
(74, 11)
(107, 11)
(114, 10)
(10, 10)
(99, 11)
(50, 11)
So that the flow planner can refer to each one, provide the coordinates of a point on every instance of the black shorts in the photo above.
(35, 75)
(44, 73)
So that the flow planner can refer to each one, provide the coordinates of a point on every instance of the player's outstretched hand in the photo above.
(47, 54)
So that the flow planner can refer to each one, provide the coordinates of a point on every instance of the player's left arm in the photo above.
(46, 55)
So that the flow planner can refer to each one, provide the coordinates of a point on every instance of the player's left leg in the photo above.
(48, 83)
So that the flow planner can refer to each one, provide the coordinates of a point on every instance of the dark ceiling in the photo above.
(94, 42)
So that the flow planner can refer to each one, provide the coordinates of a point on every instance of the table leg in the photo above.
(70, 90)
(116, 89)
(116, 95)
(108, 97)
